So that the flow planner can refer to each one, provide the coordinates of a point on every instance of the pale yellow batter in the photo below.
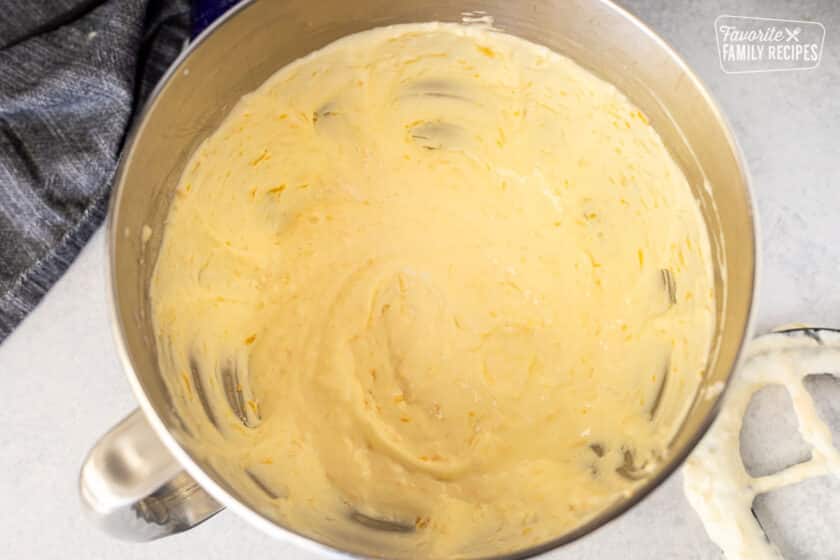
(433, 278)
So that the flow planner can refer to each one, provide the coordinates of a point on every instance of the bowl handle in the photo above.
(132, 487)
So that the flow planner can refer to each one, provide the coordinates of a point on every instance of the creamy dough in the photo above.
(436, 279)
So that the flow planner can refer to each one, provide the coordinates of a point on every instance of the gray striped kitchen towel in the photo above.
(72, 76)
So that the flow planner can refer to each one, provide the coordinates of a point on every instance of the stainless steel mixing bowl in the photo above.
(142, 481)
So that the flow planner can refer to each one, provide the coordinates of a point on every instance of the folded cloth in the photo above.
(73, 74)
(205, 12)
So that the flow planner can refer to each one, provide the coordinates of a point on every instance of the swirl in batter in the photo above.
(434, 279)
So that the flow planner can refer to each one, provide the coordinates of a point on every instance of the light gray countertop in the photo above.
(64, 387)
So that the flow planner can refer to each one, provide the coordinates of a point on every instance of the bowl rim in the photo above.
(275, 530)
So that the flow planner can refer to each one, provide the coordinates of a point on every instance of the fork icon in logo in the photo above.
(793, 35)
